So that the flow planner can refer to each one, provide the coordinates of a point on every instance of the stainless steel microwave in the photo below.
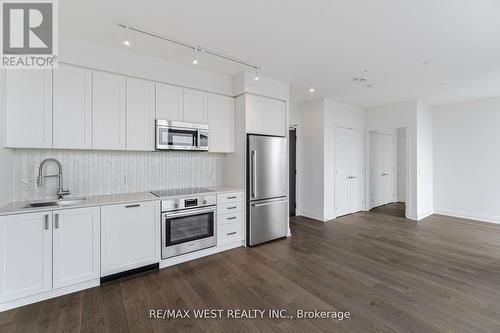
(177, 135)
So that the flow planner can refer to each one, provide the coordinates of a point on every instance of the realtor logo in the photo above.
(29, 37)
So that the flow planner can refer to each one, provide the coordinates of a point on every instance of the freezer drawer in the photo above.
(267, 220)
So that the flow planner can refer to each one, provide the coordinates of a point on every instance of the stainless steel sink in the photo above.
(55, 203)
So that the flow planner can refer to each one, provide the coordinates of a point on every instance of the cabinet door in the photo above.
(221, 123)
(28, 108)
(169, 102)
(274, 117)
(76, 246)
(108, 111)
(254, 114)
(130, 236)
(195, 106)
(72, 107)
(140, 114)
(25, 255)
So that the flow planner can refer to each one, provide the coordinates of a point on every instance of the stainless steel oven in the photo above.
(176, 135)
(188, 224)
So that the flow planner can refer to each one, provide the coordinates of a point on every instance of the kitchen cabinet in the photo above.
(140, 114)
(265, 115)
(130, 236)
(195, 106)
(76, 246)
(108, 111)
(169, 102)
(25, 255)
(72, 113)
(230, 218)
(221, 123)
(28, 108)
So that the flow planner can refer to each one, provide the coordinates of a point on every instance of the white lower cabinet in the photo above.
(130, 236)
(230, 218)
(76, 245)
(25, 255)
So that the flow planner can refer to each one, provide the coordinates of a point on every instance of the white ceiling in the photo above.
(320, 43)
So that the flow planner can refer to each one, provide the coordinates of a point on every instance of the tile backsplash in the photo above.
(107, 172)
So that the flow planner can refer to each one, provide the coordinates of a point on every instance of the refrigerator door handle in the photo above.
(267, 203)
(254, 173)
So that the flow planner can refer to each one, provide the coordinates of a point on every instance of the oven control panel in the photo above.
(188, 202)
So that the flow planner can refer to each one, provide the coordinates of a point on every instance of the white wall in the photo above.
(401, 164)
(425, 158)
(312, 159)
(467, 159)
(397, 115)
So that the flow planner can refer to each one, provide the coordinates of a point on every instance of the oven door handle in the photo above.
(190, 212)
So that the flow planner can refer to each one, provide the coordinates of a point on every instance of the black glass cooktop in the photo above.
(180, 191)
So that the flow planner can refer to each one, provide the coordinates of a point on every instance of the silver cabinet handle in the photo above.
(232, 207)
(231, 197)
(231, 218)
(232, 233)
(56, 221)
(46, 221)
(133, 206)
(351, 177)
(254, 173)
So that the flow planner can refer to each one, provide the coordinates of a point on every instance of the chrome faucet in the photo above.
(39, 180)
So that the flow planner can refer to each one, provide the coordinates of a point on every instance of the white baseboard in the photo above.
(49, 294)
(424, 215)
(312, 216)
(469, 216)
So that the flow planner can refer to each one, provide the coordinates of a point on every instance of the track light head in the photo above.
(195, 57)
(256, 77)
(126, 42)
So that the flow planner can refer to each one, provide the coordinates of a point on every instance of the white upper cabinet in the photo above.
(140, 114)
(28, 108)
(221, 123)
(76, 246)
(169, 102)
(265, 115)
(25, 255)
(195, 106)
(108, 111)
(72, 107)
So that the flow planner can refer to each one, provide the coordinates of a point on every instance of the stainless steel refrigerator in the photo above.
(267, 188)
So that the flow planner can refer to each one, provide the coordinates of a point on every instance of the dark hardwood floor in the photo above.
(394, 275)
(396, 209)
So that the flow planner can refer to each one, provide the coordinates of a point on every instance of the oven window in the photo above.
(188, 228)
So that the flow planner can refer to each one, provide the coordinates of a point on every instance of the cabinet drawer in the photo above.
(230, 207)
(229, 233)
(235, 217)
(230, 197)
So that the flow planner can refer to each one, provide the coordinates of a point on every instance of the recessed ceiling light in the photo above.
(444, 83)
(427, 61)
(311, 90)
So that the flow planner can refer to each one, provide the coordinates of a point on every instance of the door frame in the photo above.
(363, 195)
(297, 165)
(409, 167)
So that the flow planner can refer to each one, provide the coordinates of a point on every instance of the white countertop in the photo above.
(17, 207)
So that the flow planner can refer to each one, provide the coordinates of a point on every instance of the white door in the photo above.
(130, 236)
(76, 255)
(140, 114)
(387, 168)
(28, 108)
(169, 102)
(72, 107)
(108, 91)
(195, 106)
(381, 169)
(349, 171)
(221, 123)
(25, 255)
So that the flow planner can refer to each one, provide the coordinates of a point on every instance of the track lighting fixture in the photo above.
(195, 58)
(256, 77)
(126, 42)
